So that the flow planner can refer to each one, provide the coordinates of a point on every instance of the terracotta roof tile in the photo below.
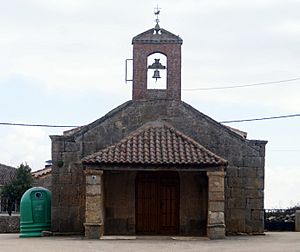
(155, 143)
(43, 172)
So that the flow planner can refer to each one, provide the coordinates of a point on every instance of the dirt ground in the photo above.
(275, 241)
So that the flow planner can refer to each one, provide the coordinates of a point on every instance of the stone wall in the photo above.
(244, 178)
(68, 189)
(245, 199)
(9, 224)
(43, 181)
(297, 221)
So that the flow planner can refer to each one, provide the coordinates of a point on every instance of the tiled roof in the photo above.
(42, 172)
(7, 174)
(151, 36)
(156, 143)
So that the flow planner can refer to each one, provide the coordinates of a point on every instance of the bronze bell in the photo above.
(156, 75)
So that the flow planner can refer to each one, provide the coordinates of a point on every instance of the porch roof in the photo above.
(156, 143)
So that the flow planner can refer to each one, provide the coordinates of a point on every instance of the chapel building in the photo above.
(155, 165)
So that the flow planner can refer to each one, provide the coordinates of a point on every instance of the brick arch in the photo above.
(158, 51)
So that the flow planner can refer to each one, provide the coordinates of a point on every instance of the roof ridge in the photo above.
(7, 166)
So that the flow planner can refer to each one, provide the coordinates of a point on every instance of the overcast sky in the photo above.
(62, 62)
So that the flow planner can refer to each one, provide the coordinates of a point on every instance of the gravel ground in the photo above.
(272, 241)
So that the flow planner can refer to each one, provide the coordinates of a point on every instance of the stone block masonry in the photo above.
(244, 185)
(9, 224)
(245, 200)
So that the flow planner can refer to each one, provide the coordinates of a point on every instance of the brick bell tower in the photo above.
(162, 44)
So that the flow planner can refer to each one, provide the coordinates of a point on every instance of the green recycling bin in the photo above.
(35, 212)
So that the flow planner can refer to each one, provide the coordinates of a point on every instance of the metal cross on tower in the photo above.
(156, 13)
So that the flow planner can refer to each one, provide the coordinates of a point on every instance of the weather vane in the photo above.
(156, 13)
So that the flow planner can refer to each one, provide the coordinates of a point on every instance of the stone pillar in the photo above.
(94, 210)
(216, 200)
(297, 221)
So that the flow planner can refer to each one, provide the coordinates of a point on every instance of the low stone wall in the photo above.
(9, 224)
(297, 221)
(282, 219)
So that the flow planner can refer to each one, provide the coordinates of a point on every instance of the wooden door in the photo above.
(146, 204)
(157, 203)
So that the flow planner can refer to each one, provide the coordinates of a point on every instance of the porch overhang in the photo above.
(155, 147)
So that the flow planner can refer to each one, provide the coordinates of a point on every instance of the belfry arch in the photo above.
(157, 71)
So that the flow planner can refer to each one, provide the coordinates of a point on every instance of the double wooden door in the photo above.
(157, 203)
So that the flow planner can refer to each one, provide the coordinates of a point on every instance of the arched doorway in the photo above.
(157, 203)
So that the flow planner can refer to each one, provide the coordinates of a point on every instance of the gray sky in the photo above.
(62, 62)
